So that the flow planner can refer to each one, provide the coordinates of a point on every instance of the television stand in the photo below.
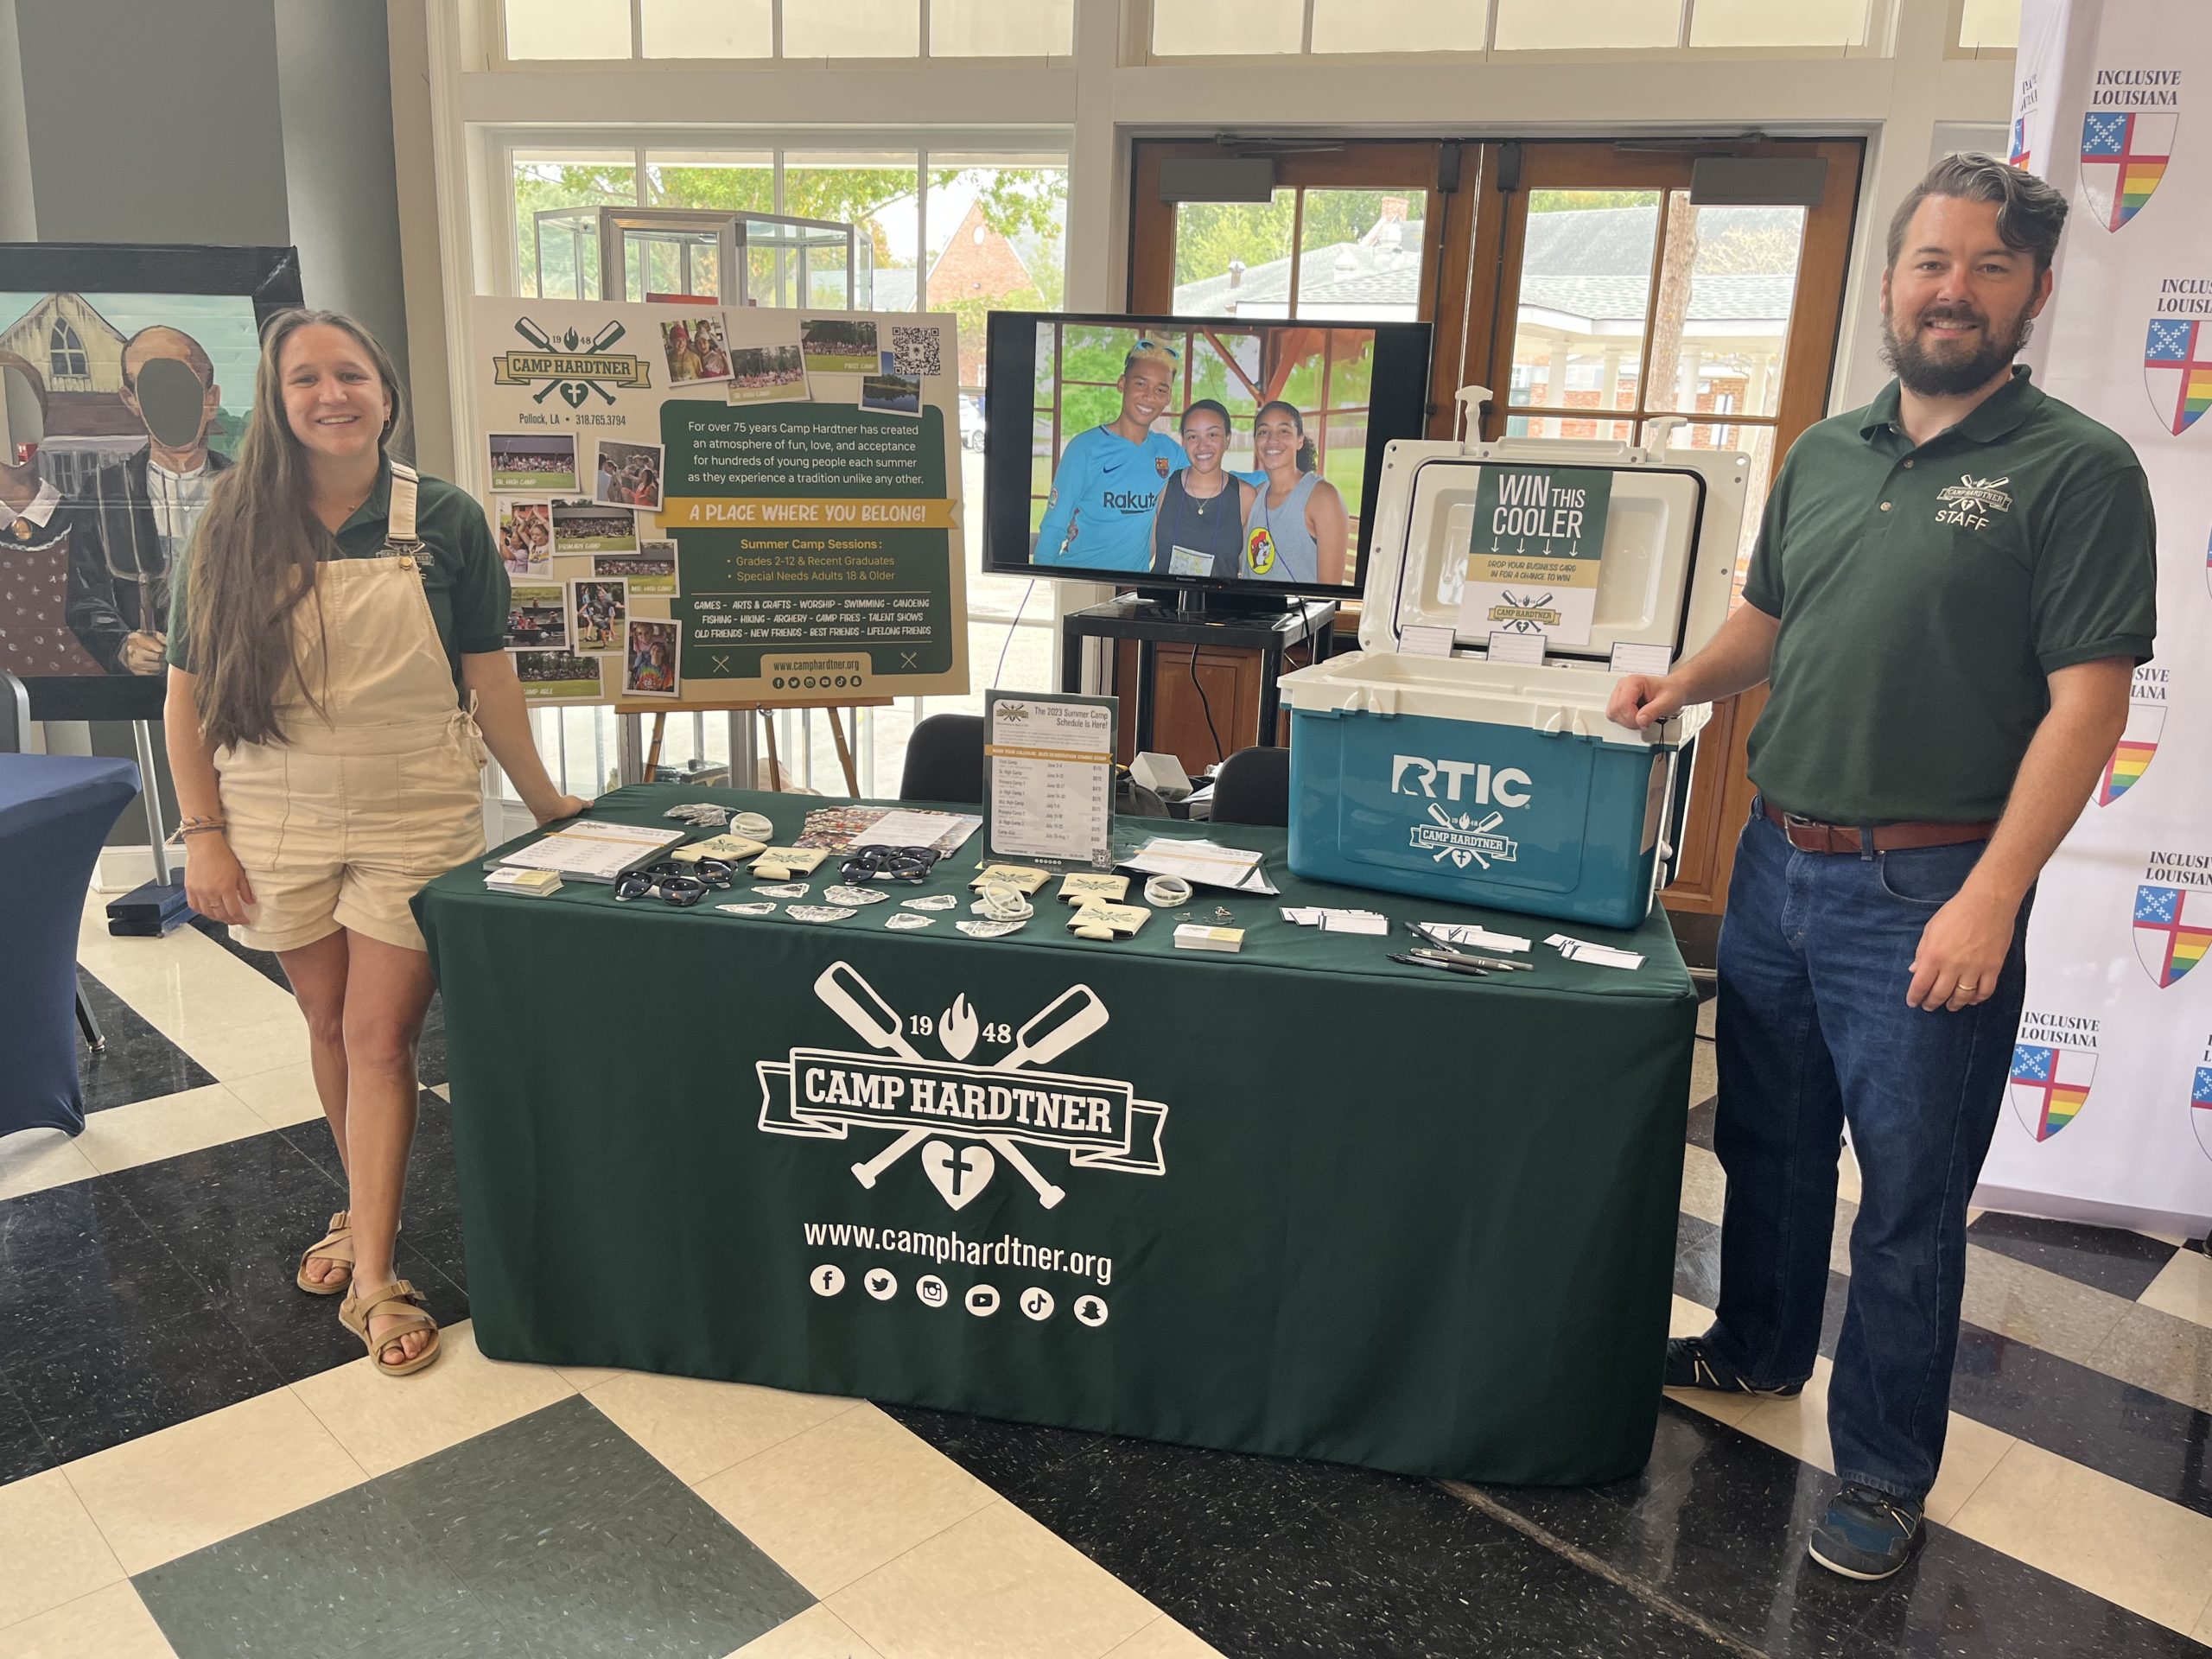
(1266, 624)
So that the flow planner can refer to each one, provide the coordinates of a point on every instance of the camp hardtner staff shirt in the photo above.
(1925, 593)
(463, 578)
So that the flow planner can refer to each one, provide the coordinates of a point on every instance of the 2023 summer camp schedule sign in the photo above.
(700, 506)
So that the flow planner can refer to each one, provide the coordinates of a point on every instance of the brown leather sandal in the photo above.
(336, 1245)
(355, 1312)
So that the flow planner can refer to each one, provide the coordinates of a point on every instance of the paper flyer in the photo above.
(1533, 563)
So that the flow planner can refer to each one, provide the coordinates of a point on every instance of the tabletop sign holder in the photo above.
(1048, 779)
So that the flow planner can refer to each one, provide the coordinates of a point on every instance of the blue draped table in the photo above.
(55, 810)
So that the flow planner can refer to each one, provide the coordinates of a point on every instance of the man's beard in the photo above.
(1921, 370)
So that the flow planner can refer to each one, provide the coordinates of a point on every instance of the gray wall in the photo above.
(153, 123)
(237, 121)
(334, 82)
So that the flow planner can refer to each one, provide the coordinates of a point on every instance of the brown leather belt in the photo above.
(1808, 837)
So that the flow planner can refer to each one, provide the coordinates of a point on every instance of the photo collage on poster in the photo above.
(559, 495)
(566, 495)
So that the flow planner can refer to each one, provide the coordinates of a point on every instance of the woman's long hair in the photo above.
(254, 554)
(1307, 455)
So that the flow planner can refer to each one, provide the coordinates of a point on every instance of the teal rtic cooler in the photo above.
(1435, 771)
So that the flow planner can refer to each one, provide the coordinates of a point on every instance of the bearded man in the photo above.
(1950, 592)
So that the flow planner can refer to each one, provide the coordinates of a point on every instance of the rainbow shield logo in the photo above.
(2123, 155)
(2200, 1108)
(2019, 156)
(2177, 371)
(2049, 1085)
(2173, 930)
(2133, 757)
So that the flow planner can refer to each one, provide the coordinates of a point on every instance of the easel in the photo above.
(767, 711)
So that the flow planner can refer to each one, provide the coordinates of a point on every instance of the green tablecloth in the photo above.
(1316, 1203)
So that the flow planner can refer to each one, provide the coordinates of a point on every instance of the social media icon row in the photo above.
(816, 682)
(982, 1300)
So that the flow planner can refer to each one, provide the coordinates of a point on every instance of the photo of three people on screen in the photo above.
(1128, 497)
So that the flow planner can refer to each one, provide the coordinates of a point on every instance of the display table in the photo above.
(54, 811)
(1311, 1202)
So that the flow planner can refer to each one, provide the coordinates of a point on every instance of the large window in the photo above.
(697, 31)
(966, 230)
(1269, 27)
(1636, 303)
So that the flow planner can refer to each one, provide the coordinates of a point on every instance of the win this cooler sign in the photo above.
(1533, 561)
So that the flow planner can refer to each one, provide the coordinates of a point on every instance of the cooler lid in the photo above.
(1590, 544)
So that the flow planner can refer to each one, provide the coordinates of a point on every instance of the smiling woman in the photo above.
(334, 607)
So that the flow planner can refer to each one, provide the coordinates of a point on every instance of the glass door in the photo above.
(1622, 298)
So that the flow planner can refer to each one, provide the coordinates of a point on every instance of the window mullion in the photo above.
(1306, 30)
(637, 30)
(1682, 26)
(776, 51)
(924, 51)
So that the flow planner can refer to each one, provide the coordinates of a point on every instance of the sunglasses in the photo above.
(673, 884)
(911, 865)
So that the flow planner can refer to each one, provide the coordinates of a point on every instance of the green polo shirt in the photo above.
(1925, 593)
(464, 579)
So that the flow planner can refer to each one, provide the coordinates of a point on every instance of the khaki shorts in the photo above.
(331, 840)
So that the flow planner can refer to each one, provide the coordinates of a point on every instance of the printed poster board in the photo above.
(1539, 538)
(126, 379)
(700, 506)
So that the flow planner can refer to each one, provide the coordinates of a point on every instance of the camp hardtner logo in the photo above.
(1454, 830)
(570, 364)
(2054, 1063)
(963, 1121)
(2173, 915)
(2147, 719)
(2127, 139)
(2177, 352)
(1967, 504)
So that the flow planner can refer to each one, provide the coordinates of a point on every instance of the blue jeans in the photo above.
(1813, 1033)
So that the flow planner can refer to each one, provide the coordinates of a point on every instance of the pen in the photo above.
(1450, 965)
(1449, 954)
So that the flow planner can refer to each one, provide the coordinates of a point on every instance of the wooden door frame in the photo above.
(1720, 791)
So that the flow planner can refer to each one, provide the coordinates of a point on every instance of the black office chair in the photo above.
(945, 760)
(1253, 787)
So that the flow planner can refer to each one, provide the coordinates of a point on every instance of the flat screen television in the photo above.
(1192, 452)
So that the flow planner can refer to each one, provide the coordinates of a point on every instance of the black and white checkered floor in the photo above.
(195, 1460)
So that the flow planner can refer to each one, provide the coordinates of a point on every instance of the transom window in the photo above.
(706, 30)
(1268, 28)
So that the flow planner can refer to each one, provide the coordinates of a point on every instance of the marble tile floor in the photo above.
(195, 1460)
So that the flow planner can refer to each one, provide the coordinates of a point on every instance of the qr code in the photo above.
(914, 350)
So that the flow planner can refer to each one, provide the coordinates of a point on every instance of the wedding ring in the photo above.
(1165, 891)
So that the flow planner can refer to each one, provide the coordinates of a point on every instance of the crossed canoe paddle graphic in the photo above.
(1075, 1014)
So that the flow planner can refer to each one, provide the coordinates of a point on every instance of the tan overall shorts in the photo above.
(365, 801)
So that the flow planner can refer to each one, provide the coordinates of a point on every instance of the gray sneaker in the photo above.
(1867, 1534)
